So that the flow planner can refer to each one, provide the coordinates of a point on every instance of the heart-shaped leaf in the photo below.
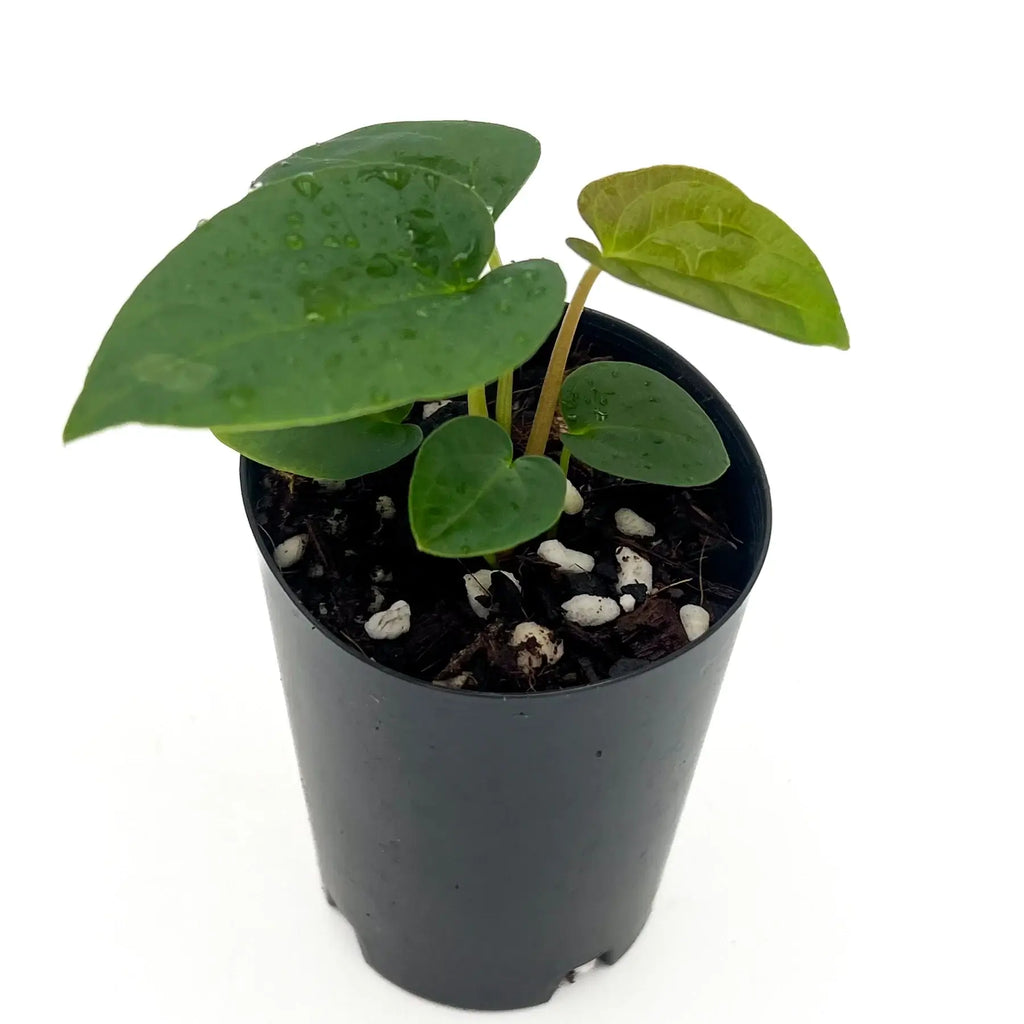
(693, 236)
(468, 497)
(633, 422)
(331, 451)
(316, 299)
(491, 159)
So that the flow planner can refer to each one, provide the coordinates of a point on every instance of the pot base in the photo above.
(425, 971)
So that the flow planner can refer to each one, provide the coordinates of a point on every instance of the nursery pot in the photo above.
(484, 845)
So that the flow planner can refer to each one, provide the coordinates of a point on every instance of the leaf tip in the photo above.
(841, 340)
(75, 428)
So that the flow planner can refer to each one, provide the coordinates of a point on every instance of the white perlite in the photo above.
(590, 610)
(695, 620)
(633, 568)
(391, 623)
(627, 602)
(289, 551)
(430, 408)
(555, 552)
(573, 500)
(633, 525)
(378, 600)
(458, 682)
(386, 507)
(478, 585)
(545, 649)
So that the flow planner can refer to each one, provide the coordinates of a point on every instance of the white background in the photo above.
(850, 850)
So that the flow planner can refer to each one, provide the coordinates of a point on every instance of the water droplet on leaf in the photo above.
(381, 266)
(306, 185)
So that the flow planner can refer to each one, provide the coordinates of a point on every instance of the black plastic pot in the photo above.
(484, 845)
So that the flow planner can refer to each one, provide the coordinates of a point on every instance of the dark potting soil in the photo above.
(358, 561)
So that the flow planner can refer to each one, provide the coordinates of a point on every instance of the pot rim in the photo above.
(760, 481)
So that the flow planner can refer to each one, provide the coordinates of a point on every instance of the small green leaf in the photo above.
(468, 497)
(318, 299)
(633, 422)
(331, 451)
(491, 159)
(693, 236)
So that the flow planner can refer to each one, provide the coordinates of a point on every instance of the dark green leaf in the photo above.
(468, 497)
(634, 422)
(491, 159)
(317, 299)
(693, 236)
(331, 451)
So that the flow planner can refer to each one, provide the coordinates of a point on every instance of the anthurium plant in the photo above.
(360, 276)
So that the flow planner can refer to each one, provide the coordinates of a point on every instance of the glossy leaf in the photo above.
(331, 451)
(316, 299)
(693, 236)
(491, 159)
(633, 422)
(468, 497)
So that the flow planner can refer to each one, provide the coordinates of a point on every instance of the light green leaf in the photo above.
(693, 236)
(317, 299)
(491, 159)
(633, 422)
(332, 451)
(468, 497)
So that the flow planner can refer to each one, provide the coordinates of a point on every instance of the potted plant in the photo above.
(506, 543)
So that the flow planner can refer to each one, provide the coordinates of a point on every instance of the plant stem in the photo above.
(549, 393)
(477, 398)
(563, 464)
(503, 404)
